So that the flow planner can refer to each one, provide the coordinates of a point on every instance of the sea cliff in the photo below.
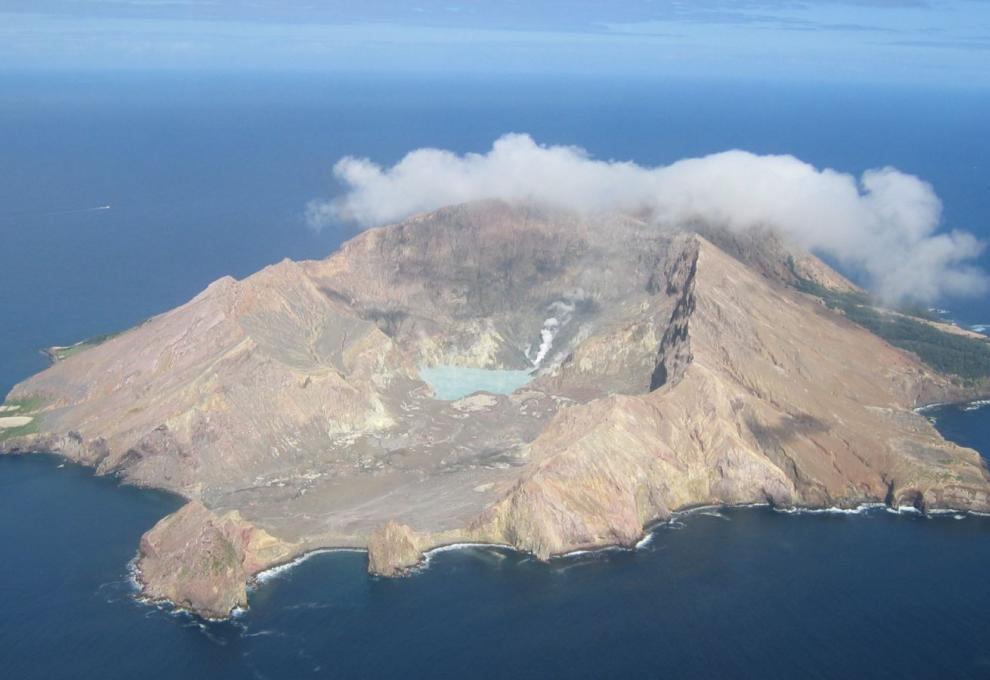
(672, 367)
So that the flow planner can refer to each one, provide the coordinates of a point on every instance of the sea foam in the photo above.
(274, 572)
(860, 509)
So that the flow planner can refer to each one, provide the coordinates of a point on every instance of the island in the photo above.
(504, 374)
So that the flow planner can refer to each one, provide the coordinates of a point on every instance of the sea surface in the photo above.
(209, 175)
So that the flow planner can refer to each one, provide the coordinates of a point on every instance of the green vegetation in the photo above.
(63, 353)
(21, 407)
(26, 405)
(960, 355)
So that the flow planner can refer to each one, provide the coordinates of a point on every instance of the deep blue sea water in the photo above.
(209, 175)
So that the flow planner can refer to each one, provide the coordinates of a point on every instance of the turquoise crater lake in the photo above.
(450, 383)
(207, 179)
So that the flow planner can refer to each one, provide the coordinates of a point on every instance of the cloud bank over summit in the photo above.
(884, 226)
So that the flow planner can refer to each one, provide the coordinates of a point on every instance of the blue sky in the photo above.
(868, 41)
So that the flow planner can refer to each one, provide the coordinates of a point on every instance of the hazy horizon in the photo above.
(555, 381)
(865, 41)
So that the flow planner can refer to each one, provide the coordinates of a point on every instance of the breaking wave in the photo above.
(860, 509)
(274, 572)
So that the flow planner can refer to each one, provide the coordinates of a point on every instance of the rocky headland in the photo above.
(672, 367)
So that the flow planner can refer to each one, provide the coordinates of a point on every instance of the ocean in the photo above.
(209, 175)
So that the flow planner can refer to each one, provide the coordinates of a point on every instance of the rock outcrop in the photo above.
(670, 369)
(393, 549)
(198, 560)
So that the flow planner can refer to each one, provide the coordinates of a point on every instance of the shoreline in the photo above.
(649, 533)
(164, 604)
(978, 402)
(272, 572)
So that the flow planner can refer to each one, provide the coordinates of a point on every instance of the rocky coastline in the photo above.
(683, 370)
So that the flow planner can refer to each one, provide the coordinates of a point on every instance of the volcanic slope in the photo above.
(667, 372)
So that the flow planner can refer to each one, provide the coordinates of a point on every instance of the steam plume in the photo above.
(884, 226)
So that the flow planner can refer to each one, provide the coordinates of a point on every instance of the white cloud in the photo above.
(884, 226)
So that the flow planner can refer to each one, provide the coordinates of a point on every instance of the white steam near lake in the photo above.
(885, 226)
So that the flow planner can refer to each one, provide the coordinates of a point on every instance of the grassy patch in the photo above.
(960, 355)
(23, 407)
(63, 353)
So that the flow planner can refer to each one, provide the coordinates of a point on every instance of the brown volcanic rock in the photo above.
(781, 401)
(203, 562)
(393, 549)
(288, 406)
